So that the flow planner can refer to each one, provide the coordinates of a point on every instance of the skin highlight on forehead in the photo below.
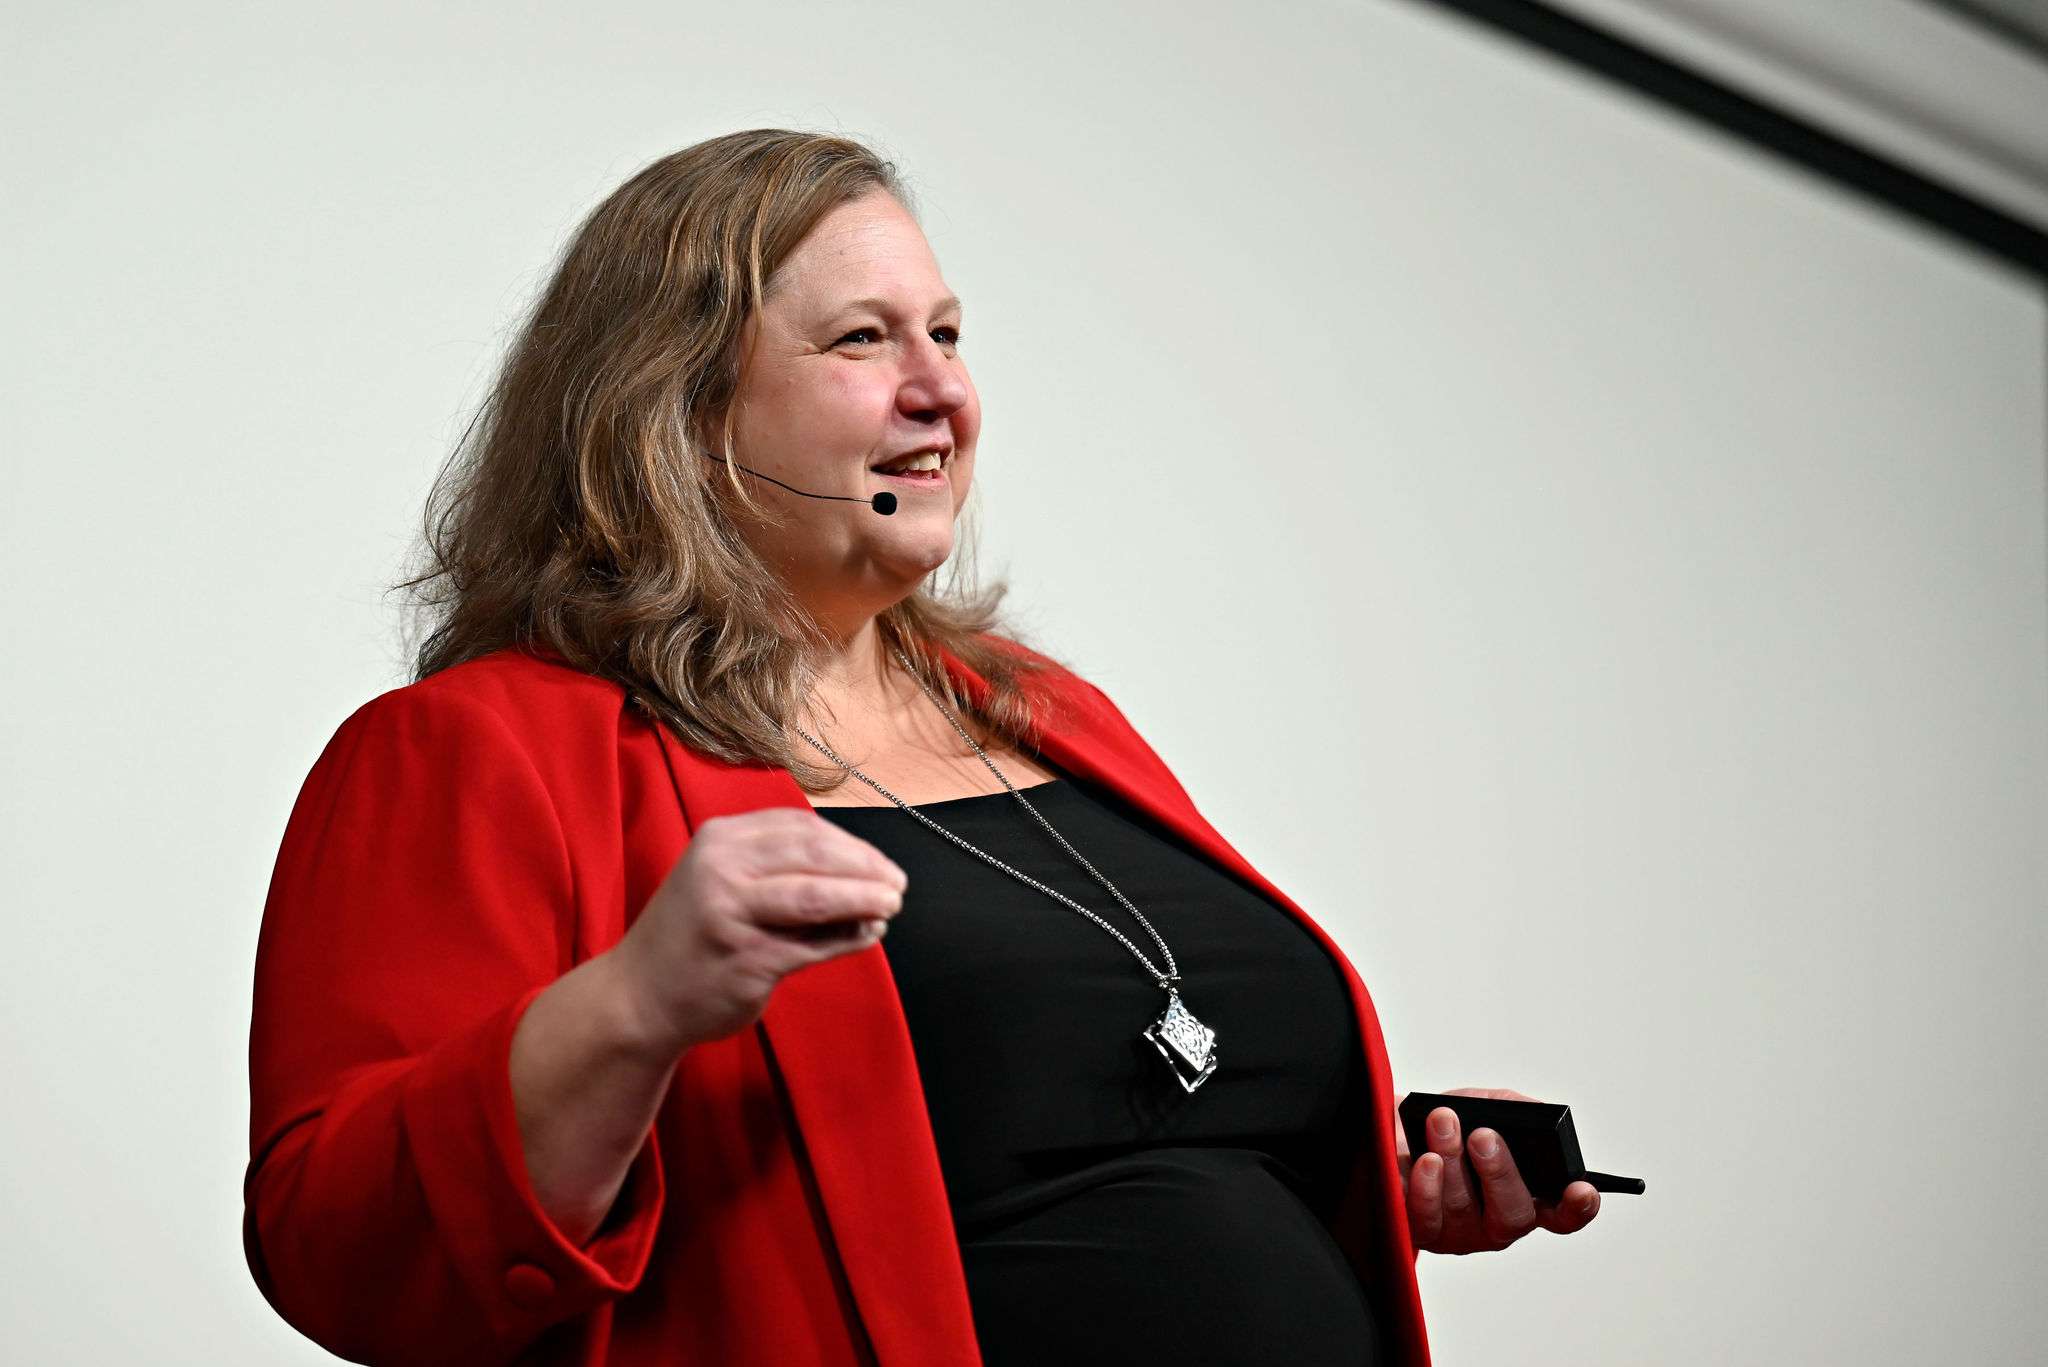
(857, 256)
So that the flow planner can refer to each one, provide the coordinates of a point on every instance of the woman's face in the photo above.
(855, 361)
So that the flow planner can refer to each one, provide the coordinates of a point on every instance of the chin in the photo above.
(922, 555)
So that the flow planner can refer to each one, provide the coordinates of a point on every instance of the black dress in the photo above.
(1105, 1214)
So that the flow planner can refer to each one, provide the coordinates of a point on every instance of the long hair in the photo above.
(576, 513)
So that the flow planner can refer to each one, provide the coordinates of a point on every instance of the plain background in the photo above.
(1595, 569)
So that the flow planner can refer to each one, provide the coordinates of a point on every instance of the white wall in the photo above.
(1598, 571)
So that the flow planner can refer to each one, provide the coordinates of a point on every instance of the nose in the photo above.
(934, 383)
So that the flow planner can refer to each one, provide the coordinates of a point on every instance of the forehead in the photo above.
(867, 249)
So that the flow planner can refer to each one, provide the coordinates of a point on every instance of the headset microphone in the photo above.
(883, 503)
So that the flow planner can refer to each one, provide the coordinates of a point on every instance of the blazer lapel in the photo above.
(835, 1033)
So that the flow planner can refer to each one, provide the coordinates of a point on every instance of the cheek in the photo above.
(833, 409)
(848, 395)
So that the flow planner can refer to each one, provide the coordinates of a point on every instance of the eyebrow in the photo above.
(951, 301)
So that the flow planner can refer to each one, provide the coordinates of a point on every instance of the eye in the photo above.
(948, 335)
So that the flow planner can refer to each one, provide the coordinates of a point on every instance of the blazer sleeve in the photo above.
(423, 895)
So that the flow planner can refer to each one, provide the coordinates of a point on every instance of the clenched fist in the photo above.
(755, 897)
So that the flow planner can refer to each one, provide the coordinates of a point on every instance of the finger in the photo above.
(797, 949)
(1426, 1201)
(1510, 1210)
(796, 901)
(1459, 1199)
(1575, 1210)
(811, 844)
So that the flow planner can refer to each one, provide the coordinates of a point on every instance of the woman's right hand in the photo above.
(756, 896)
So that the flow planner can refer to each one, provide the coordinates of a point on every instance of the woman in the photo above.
(575, 1036)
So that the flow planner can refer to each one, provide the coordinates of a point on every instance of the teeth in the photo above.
(924, 460)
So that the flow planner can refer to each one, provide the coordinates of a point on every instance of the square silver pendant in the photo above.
(1187, 1045)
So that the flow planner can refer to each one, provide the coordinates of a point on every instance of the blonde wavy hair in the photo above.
(576, 513)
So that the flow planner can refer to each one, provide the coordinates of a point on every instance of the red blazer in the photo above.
(462, 842)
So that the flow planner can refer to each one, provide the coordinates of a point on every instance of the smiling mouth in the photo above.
(901, 471)
(914, 476)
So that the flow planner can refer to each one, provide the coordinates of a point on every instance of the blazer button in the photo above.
(529, 1287)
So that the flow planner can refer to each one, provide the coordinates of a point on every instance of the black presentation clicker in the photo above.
(1539, 1135)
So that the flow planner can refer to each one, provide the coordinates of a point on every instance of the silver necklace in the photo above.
(1187, 1045)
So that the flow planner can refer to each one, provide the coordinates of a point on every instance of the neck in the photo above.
(853, 663)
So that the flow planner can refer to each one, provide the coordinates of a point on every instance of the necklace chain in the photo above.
(1166, 980)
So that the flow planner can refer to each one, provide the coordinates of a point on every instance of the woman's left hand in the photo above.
(1467, 1197)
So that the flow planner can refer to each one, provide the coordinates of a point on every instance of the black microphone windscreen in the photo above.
(885, 503)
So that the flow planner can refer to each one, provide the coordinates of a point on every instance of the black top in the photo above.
(1104, 1213)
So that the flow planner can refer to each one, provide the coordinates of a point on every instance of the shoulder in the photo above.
(1083, 713)
(527, 693)
(1066, 700)
(510, 714)
(1046, 678)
